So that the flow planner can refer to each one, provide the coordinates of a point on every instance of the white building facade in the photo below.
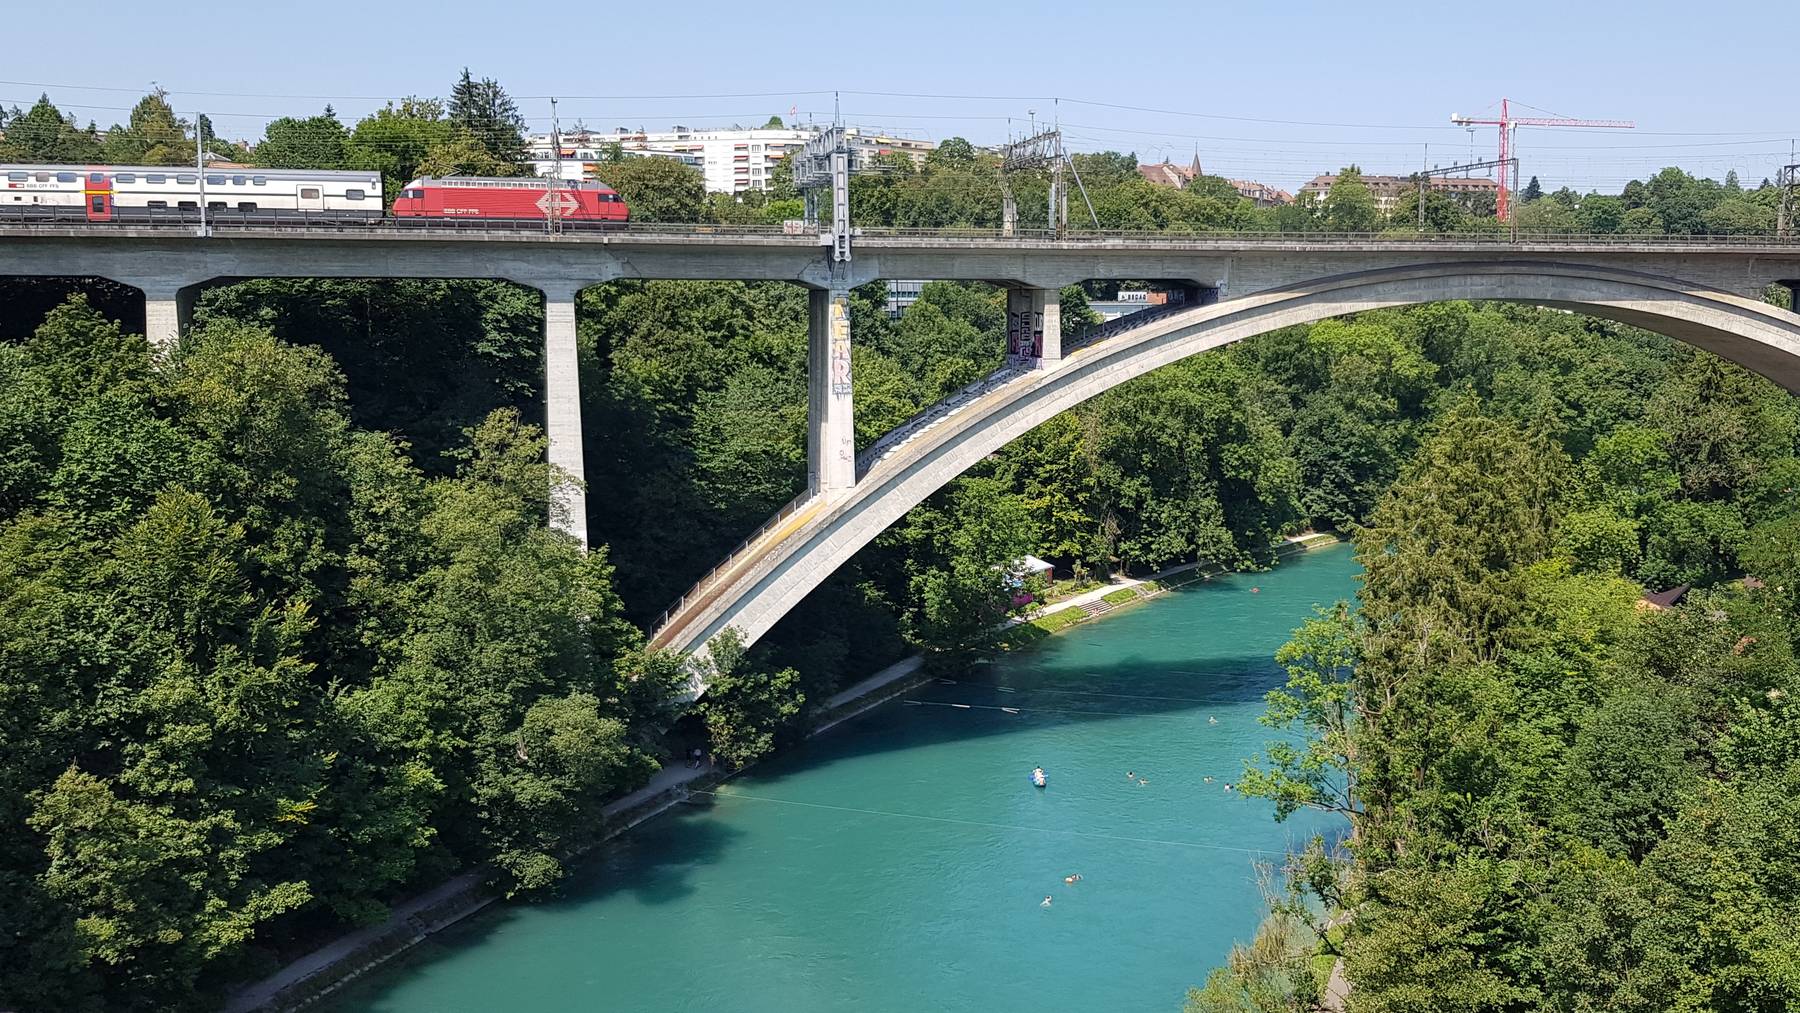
(732, 160)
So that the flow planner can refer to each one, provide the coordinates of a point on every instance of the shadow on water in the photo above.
(653, 861)
(653, 864)
(1095, 693)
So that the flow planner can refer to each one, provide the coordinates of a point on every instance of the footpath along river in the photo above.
(899, 862)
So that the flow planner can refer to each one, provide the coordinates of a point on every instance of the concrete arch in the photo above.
(795, 555)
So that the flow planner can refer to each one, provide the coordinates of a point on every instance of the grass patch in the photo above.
(1057, 621)
(1012, 638)
(1063, 589)
(1123, 594)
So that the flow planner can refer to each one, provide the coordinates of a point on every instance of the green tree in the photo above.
(746, 708)
(491, 118)
(316, 142)
(951, 151)
(658, 189)
(1349, 206)
(153, 135)
(397, 139)
(1317, 701)
(44, 134)
(960, 578)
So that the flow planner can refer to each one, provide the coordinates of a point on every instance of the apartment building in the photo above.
(1388, 189)
(734, 160)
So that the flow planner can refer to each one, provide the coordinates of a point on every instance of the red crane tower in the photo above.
(1508, 121)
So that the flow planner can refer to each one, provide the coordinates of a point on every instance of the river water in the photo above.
(900, 861)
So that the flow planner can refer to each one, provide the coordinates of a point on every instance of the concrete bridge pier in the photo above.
(562, 409)
(168, 310)
(830, 408)
(1034, 327)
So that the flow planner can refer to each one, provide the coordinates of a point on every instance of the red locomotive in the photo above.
(575, 201)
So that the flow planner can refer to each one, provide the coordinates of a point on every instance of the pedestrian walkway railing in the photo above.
(905, 432)
(931, 417)
(712, 576)
(1119, 325)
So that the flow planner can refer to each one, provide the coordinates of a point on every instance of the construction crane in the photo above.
(1508, 122)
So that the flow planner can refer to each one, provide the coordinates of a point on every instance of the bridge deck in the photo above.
(767, 236)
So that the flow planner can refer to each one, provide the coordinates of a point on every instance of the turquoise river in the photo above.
(899, 862)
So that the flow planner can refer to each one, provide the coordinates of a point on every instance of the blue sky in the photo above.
(1709, 86)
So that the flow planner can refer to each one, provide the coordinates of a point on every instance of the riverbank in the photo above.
(327, 969)
(1127, 591)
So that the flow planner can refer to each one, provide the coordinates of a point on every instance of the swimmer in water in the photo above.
(1256, 590)
(1046, 902)
(1072, 880)
(1208, 779)
(1129, 776)
(1141, 781)
(1212, 720)
(1227, 786)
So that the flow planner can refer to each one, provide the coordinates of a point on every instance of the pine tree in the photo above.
(487, 112)
(1532, 191)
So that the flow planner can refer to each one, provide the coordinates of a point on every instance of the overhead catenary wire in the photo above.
(1284, 161)
(796, 93)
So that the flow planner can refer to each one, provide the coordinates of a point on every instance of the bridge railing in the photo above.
(232, 220)
(711, 577)
(894, 438)
(229, 220)
(1121, 324)
(903, 433)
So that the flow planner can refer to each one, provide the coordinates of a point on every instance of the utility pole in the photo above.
(200, 169)
(552, 195)
(1041, 151)
(1424, 174)
(823, 163)
(1788, 179)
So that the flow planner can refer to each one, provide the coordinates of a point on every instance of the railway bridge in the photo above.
(1707, 291)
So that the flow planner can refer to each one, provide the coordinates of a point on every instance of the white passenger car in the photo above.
(138, 194)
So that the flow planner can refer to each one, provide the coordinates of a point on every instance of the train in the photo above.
(239, 195)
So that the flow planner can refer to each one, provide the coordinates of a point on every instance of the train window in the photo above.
(156, 177)
(65, 177)
(216, 205)
(215, 181)
(309, 193)
(98, 204)
(159, 203)
(18, 177)
(259, 180)
(414, 194)
(125, 177)
(96, 177)
(185, 177)
(246, 205)
(353, 195)
(43, 177)
(187, 204)
(237, 181)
